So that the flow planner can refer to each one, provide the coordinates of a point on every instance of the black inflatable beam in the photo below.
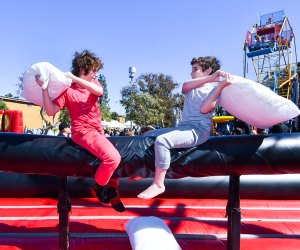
(228, 155)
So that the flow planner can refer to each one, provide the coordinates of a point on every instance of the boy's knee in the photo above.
(116, 159)
(162, 141)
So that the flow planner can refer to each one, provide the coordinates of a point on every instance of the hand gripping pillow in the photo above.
(256, 104)
(150, 233)
(55, 79)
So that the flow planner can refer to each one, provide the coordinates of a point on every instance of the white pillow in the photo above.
(49, 74)
(149, 233)
(256, 104)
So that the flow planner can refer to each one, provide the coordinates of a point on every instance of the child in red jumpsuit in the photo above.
(81, 100)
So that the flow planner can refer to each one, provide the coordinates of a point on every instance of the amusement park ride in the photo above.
(270, 45)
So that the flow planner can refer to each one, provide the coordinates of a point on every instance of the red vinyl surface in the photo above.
(196, 224)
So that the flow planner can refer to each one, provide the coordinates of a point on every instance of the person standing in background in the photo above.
(64, 129)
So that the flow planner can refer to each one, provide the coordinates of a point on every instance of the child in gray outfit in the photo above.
(201, 97)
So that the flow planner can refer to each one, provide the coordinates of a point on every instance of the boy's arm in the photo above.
(210, 101)
(198, 82)
(94, 88)
(195, 83)
(50, 107)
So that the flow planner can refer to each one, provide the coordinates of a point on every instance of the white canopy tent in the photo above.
(130, 124)
(105, 123)
(116, 124)
(112, 124)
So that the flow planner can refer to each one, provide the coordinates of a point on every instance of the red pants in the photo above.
(96, 143)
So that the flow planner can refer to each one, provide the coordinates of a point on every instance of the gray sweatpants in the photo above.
(182, 136)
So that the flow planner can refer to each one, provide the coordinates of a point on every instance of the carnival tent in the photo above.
(130, 124)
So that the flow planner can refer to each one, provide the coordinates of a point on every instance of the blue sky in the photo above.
(155, 36)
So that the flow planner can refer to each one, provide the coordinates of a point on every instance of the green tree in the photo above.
(49, 125)
(104, 101)
(104, 98)
(105, 112)
(20, 85)
(64, 115)
(3, 105)
(114, 116)
(151, 100)
(9, 95)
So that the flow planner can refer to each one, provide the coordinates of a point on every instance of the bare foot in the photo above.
(152, 191)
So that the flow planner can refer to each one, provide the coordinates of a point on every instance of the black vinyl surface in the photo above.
(226, 155)
(31, 166)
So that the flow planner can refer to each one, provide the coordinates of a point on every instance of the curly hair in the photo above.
(207, 62)
(85, 61)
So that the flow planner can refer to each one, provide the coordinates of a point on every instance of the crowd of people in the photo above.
(128, 131)
(231, 128)
(65, 130)
(238, 127)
